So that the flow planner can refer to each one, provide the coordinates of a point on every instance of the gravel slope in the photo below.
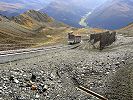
(51, 74)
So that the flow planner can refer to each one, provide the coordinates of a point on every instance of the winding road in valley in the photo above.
(84, 18)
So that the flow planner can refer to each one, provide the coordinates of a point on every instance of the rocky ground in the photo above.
(50, 76)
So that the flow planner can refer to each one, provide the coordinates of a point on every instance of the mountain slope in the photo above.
(112, 15)
(12, 33)
(32, 19)
(129, 27)
(70, 11)
(16, 7)
(128, 30)
(29, 29)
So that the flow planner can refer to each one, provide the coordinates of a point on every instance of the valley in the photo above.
(107, 14)
(83, 20)
(112, 15)
(40, 61)
(70, 12)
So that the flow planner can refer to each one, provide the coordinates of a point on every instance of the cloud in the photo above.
(8, 6)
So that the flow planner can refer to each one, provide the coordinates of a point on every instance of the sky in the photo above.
(39, 4)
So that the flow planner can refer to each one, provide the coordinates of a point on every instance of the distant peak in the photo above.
(31, 11)
(3, 18)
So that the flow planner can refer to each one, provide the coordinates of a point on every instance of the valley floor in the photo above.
(83, 22)
(107, 72)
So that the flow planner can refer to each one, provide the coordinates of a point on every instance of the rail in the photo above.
(81, 87)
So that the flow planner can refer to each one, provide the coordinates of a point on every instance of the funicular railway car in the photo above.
(72, 39)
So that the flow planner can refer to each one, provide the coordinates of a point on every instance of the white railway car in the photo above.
(72, 39)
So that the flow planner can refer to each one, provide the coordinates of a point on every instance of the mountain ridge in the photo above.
(114, 15)
(18, 33)
(32, 18)
(11, 8)
(71, 11)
